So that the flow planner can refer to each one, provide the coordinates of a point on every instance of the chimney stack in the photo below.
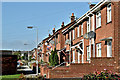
(53, 30)
(72, 17)
(91, 5)
(49, 35)
(62, 24)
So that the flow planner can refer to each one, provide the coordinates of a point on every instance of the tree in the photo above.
(23, 57)
(56, 61)
(18, 53)
(53, 58)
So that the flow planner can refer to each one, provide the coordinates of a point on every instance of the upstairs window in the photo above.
(65, 37)
(78, 30)
(59, 39)
(108, 13)
(68, 35)
(98, 19)
(88, 26)
(56, 38)
(73, 34)
(98, 47)
(82, 29)
(88, 53)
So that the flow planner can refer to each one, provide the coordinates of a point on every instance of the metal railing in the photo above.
(61, 64)
(58, 65)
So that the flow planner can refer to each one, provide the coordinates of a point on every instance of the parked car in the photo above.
(18, 64)
(24, 70)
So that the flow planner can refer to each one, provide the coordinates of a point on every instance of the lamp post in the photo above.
(30, 27)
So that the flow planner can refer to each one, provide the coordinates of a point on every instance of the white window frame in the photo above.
(73, 34)
(82, 29)
(109, 48)
(109, 18)
(98, 49)
(78, 57)
(88, 53)
(78, 31)
(88, 25)
(98, 19)
(73, 56)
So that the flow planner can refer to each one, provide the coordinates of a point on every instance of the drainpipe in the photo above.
(90, 37)
(93, 38)
(70, 56)
(83, 51)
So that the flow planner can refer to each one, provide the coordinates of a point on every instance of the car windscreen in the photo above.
(22, 68)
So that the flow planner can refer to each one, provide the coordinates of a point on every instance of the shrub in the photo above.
(103, 75)
(53, 58)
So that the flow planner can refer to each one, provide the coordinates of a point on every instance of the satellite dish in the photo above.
(86, 36)
(91, 34)
(46, 43)
(67, 41)
(52, 42)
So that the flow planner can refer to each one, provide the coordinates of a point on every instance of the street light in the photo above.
(30, 27)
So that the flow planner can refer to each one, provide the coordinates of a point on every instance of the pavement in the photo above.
(32, 75)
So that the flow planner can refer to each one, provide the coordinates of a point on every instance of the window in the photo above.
(73, 57)
(78, 57)
(88, 26)
(56, 38)
(78, 34)
(109, 48)
(59, 38)
(42, 57)
(98, 47)
(68, 35)
(82, 29)
(88, 53)
(98, 19)
(65, 37)
(73, 34)
(108, 13)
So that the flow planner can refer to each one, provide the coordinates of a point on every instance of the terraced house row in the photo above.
(86, 44)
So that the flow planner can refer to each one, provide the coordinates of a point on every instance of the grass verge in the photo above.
(10, 76)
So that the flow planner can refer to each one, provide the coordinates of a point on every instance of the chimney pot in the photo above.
(72, 17)
(49, 35)
(53, 30)
(92, 5)
(72, 14)
(62, 24)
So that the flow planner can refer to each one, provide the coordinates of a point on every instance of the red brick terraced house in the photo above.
(56, 40)
(87, 44)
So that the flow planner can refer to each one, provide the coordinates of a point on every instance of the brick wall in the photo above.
(78, 70)
(117, 35)
(9, 64)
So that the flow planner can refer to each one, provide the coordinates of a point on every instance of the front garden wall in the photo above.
(78, 70)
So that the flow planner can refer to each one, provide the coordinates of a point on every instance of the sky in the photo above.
(16, 16)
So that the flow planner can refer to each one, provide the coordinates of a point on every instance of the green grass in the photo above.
(10, 76)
